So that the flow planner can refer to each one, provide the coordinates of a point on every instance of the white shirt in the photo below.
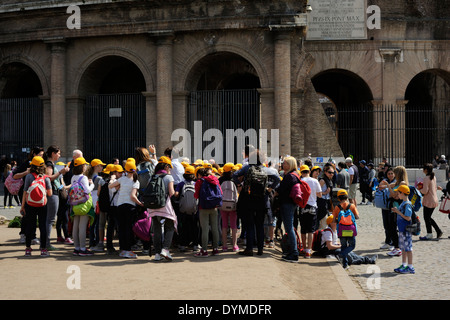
(330, 236)
(315, 188)
(84, 182)
(177, 172)
(126, 186)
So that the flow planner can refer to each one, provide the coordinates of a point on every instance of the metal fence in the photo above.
(409, 136)
(21, 121)
(114, 125)
(222, 110)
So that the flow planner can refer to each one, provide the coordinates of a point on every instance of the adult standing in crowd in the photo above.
(354, 179)
(430, 202)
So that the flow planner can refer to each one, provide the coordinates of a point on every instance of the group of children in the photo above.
(118, 197)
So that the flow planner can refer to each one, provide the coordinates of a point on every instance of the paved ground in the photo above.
(226, 276)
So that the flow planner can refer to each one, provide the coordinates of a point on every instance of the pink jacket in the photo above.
(429, 192)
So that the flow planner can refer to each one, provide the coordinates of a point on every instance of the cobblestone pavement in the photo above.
(431, 260)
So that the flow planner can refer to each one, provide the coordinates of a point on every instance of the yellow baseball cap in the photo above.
(330, 219)
(60, 163)
(403, 189)
(184, 164)
(109, 168)
(118, 168)
(96, 162)
(189, 170)
(198, 162)
(38, 161)
(316, 168)
(342, 192)
(207, 165)
(165, 159)
(130, 166)
(227, 167)
(79, 161)
(304, 168)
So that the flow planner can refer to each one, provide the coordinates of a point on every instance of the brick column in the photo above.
(150, 119)
(75, 121)
(282, 89)
(164, 113)
(58, 125)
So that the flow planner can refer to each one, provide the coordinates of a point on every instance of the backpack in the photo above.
(230, 196)
(37, 191)
(104, 201)
(415, 196)
(77, 194)
(381, 199)
(188, 203)
(317, 239)
(300, 192)
(256, 181)
(210, 195)
(285, 248)
(13, 185)
(154, 196)
(414, 227)
(145, 172)
(346, 222)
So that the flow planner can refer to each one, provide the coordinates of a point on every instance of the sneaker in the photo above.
(76, 252)
(59, 240)
(224, 248)
(98, 248)
(22, 238)
(11, 207)
(28, 252)
(68, 241)
(130, 255)
(439, 234)
(45, 253)
(202, 254)
(51, 248)
(157, 257)
(235, 249)
(122, 253)
(145, 252)
(166, 254)
(395, 253)
(215, 252)
(111, 251)
(400, 269)
(35, 241)
(85, 252)
(369, 203)
(385, 246)
(292, 259)
(307, 255)
(271, 244)
(411, 270)
(362, 203)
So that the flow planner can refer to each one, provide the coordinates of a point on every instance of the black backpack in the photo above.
(104, 201)
(154, 196)
(256, 182)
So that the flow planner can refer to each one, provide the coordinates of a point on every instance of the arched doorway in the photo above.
(114, 112)
(352, 109)
(21, 121)
(427, 117)
(223, 96)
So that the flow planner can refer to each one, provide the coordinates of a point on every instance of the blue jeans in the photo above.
(287, 215)
(347, 246)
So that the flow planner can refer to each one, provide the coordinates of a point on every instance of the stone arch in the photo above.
(77, 89)
(189, 66)
(34, 66)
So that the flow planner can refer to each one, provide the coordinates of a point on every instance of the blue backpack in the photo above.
(381, 199)
(210, 195)
(415, 196)
(346, 222)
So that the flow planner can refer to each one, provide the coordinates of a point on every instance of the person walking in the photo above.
(389, 221)
(430, 202)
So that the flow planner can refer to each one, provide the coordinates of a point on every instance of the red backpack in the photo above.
(300, 192)
(37, 191)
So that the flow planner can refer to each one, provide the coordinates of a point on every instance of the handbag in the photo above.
(141, 227)
(13, 185)
(83, 208)
(445, 205)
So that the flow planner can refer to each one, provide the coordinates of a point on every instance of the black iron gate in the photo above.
(21, 127)
(222, 110)
(408, 136)
(114, 125)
